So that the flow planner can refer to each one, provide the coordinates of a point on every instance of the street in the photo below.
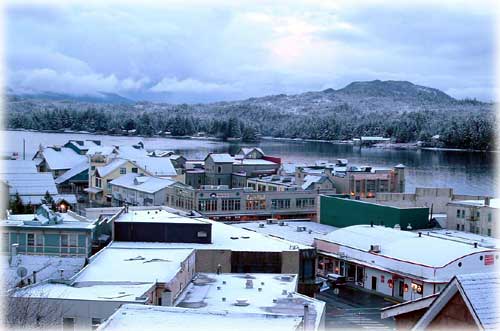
(354, 309)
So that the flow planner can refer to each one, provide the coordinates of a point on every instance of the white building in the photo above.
(113, 277)
(132, 317)
(253, 293)
(138, 190)
(400, 264)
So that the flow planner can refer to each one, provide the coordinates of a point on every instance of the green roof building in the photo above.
(342, 212)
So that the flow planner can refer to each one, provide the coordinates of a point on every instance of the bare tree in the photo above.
(25, 310)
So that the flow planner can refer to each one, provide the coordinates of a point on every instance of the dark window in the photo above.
(134, 170)
(68, 324)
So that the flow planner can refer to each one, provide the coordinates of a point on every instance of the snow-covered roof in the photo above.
(45, 266)
(130, 152)
(311, 179)
(157, 166)
(110, 167)
(253, 162)
(76, 170)
(132, 263)
(289, 168)
(121, 292)
(289, 230)
(155, 216)
(30, 184)
(102, 150)
(83, 145)
(132, 317)
(221, 158)
(228, 237)
(374, 138)
(402, 245)
(17, 166)
(206, 291)
(465, 237)
(287, 181)
(70, 198)
(63, 158)
(69, 221)
(481, 290)
(140, 183)
(494, 203)
(247, 150)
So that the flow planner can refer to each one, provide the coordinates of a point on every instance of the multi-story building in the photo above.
(225, 204)
(57, 160)
(233, 171)
(361, 182)
(48, 233)
(139, 190)
(108, 163)
(475, 216)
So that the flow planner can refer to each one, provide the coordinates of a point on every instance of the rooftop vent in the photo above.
(375, 248)
(284, 292)
(241, 302)
(271, 221)
(281, 223)
(261, 225)
(249, 283)
(301, 228)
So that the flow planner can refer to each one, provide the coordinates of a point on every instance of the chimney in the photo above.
(475, 245)
(306, 317)
(487, 201)
(420, 234)
(34, 277)
(219, 269)
(13, 251)
(61, 271)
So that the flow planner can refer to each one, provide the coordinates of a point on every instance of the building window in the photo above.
(39, 239)
(202, 234)
(73, 240)
(218, 181)
(256, 204)
(417, 288)
(68, 324)
(92, 168)
(489, 232)
(458, 213)
(463, 213)
(305, 203)
(280, 203)
(64, 240)
(123, 171)
(134, 170)
(207, 205)
(219, 169)
(97, 182)
(31, 239)
(458, 227)
(478, 215)
(489, 217)
(462, 227)
(231, 204)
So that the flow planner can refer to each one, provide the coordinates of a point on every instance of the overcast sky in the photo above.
(195, 52)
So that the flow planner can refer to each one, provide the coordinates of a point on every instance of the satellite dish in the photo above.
(22, 272)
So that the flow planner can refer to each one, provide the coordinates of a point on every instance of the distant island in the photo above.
(399, 110)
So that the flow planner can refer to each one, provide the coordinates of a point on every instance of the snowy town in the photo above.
(118, 237)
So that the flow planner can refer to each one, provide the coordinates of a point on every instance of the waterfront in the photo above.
(466, 172)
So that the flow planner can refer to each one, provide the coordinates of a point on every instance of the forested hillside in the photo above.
(400, 110)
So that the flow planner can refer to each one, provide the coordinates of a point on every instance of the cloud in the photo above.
(38, 80)
(190, 85)
(237, 50)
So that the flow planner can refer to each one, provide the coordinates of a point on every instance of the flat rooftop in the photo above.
(227, 237)
(68, 222)
(46, 267)
(123, 292)
(403, 245)
(269, 294)
(494, 203)
(155, 216)
(135, 264)
(156, 318)
(289, 230)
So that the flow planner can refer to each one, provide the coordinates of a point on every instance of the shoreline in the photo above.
(393, 146)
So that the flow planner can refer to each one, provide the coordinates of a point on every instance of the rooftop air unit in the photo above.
(375, 248)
